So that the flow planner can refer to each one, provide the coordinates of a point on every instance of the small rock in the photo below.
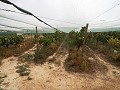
(90, 58)
(51, 58)
(115, 51)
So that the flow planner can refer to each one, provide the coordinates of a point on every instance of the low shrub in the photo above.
(42, 54)
(23, 70)
(115, 57)
(76, 62)
(114, 42)
(53, 46)
(25, 73)
(45, 41)
(118, 58)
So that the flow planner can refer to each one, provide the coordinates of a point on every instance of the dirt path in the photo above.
(113, 71)
(52, 76)
(12, 81)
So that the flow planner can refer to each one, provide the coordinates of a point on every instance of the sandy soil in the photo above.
(52, 76)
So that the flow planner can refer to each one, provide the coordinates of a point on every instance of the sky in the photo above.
(74, 13)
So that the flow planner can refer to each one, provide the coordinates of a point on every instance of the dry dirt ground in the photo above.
(52, 76)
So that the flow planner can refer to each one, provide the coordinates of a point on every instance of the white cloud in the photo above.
(75, 11)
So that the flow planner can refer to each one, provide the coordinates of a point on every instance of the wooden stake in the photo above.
(31, 35)
(37, 41)
(85, 34)
(85, 37)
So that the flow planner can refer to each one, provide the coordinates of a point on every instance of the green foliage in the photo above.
(110, 45)
(8, 33)
(50, 42)
(114, 42)
(23, 70)
(42, 54)
(91, 41)
(102, 38)
(6, 41)
(55, 37)
(115, 57)
(114, 34)
(45, 41)
(75, 39)
(25, 73)
(39, 56)
(58, 36)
